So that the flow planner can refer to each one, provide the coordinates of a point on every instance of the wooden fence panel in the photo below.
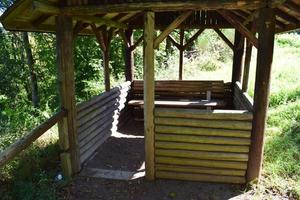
(98, 118)
(202, 145)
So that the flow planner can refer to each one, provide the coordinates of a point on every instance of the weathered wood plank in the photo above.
(202, 139)
(202, 147)
(200, 177)
(201, 131)
(203, 123)
(241, 115)
(163, 6)
(200, 170)
(205, 155)
(201, 163)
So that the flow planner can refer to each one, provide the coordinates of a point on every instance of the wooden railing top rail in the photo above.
(14, 149)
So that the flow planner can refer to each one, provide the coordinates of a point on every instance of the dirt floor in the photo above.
(96, 188)
(124, 151)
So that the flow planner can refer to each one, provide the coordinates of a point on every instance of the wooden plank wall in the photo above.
(241, 100)
(182, 89)
(202, 145)
(98, 118)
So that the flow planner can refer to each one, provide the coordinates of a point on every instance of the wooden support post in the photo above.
(247, 66)
(266, 32)
(181, 50)
(105, 51)
(149, 93)
(237, 57)
(129, 59)
(67, 126)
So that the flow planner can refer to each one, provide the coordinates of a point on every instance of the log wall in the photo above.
(183, 89)
(202, 145)
(241, 99)
(98, 118)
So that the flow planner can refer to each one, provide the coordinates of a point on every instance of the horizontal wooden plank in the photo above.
(114, 97)
(98, 98)
(95, 113)
(101, 133)
(204, 114)
(112, 174)
(84, 156)
(182, 130)
(200, 177)
(107, 115)
(88, 136)
(182, 103)
(206, 155)
(201, 163)
(202, 147)
(202, 139)
(203, 123)
(200, 170)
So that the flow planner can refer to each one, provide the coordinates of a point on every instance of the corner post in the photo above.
(181, 50)
(129, 59)
(237, 57)
(67, 127)
(266, 34)
(149, 22)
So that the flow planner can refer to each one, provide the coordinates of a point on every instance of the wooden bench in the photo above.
(182, 94)
(192, 90)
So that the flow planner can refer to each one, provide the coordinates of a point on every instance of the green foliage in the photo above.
(289, 40)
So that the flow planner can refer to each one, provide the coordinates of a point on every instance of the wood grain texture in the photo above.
(202, 147)
(206, 155)
(201, 177)
(66, 83)
(201, 163)
(200, 170)
(266, 34)
(148, 53)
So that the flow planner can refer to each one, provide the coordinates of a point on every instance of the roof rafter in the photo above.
(239, 26)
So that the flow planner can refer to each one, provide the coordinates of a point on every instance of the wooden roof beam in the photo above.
(293, 7)
(225, 39)
(45, 7)
(232, 19)
(178, 46)
(137, 43)
(285, 16)
(192, 39)
(251, 17)
(171, 27)
(100, 21)
(99, 37)
(165, 6)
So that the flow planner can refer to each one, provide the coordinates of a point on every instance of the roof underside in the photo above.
(39, 15)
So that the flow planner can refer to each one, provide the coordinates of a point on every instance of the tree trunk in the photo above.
(33, 77)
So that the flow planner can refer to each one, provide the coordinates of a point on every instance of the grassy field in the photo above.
(32, 175)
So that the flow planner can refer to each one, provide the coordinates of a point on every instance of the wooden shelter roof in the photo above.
(39, 15)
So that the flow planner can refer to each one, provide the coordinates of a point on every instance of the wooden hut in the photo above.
(194, 130)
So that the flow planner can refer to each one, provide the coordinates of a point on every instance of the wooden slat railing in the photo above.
(13, 150)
